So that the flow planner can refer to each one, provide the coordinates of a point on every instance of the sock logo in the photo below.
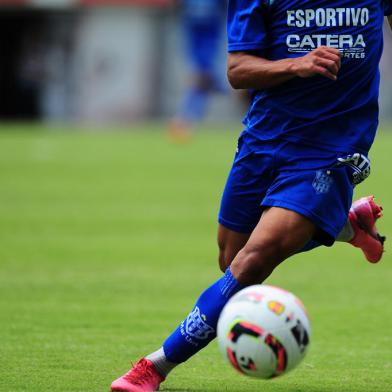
(196, 327)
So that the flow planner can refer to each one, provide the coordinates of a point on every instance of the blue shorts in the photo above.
(280, 173)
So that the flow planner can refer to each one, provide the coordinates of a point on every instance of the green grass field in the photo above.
(106, 240)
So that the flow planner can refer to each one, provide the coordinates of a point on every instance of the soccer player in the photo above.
(313, 67)
(203, 26)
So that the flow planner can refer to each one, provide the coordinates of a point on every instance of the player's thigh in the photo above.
(279, 234)
(230, 243)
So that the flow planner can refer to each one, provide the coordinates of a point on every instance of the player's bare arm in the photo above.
(246, 70)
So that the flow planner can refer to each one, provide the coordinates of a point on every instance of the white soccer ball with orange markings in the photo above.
(264, 331)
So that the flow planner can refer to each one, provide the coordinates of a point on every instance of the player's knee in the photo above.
(255, 263)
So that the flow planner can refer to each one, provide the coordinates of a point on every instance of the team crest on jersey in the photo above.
(197, 327)
(322, 182)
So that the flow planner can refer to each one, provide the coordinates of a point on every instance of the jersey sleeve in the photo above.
(387, 7)
(246, 26)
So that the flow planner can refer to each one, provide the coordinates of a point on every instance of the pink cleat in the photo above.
(363, 216)
(143, 377)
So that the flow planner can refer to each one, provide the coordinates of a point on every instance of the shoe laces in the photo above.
(139, 372)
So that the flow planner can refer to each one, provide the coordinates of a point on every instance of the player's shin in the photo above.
(199, 328)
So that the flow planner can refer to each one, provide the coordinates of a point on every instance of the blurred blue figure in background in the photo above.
(203, 26)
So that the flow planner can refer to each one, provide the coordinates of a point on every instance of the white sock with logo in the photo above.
(163, 366)
(347, 233)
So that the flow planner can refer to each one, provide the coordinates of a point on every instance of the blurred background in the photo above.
(106, 61)
(96, 61)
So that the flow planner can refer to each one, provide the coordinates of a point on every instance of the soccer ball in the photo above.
(264, 331)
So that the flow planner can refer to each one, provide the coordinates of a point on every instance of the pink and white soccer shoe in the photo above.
(363, 216)
(143, 377)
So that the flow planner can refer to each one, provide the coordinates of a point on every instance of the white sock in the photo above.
(347, 234)
(163, 366)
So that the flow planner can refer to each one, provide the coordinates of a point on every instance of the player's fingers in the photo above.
(331, 56)
(329, 64)
(330, 50)
(324, 72)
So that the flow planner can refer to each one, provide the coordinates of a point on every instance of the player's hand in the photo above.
(323, 61)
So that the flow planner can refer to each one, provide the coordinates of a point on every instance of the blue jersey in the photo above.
(388, 7)
(340, 115)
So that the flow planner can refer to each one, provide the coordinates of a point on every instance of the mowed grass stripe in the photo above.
(106, 240)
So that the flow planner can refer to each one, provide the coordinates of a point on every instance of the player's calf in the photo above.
(230, 243)
(253, 264)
